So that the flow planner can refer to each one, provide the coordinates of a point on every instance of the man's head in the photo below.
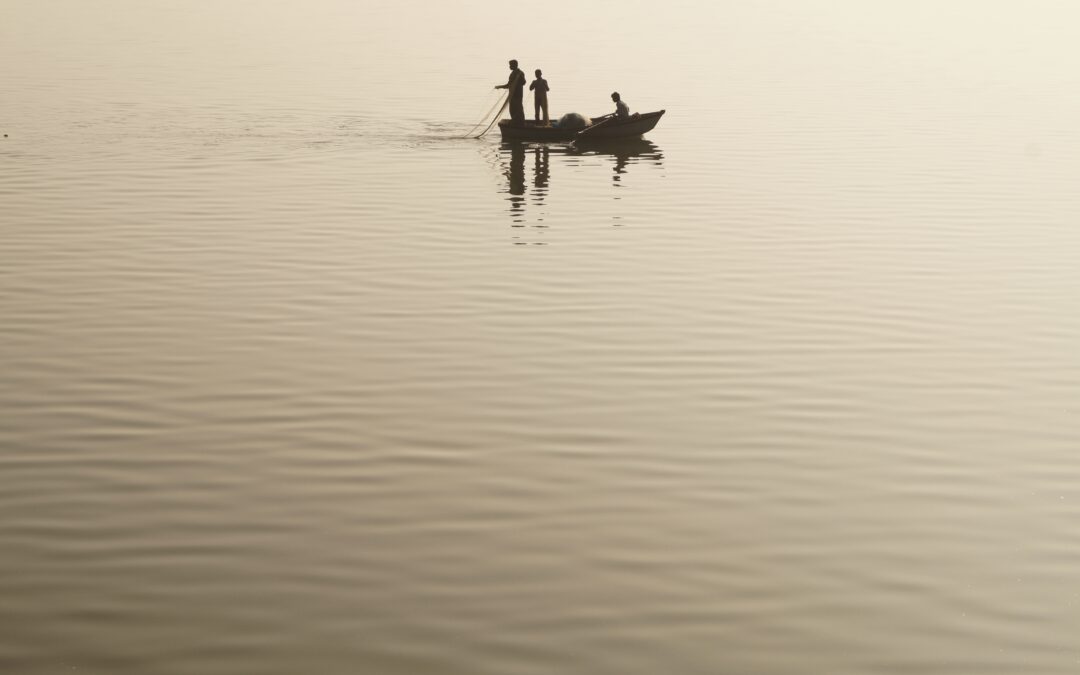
(615, 96)
(538, 73)
(513, 64)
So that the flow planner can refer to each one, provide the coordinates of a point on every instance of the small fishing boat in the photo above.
(607, 127)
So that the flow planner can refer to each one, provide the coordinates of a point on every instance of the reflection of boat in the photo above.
(602, 128)
(622, 153)
(620, 149)
(529, 198)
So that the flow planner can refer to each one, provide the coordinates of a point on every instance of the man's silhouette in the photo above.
(516, 85)
(622, 111)
(540, 89)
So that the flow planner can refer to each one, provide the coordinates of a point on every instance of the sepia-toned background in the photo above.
(293, 379)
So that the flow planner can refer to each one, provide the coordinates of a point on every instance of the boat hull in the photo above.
(605, 128)
(532, 132)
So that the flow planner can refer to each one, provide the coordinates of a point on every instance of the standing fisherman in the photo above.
(540, 89)
(516, 85)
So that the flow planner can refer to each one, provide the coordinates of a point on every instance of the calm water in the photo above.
(297, 381)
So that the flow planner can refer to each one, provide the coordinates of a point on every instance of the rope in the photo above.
(493, 119)
(486, 115)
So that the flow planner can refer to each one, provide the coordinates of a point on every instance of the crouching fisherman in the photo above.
(622, 111)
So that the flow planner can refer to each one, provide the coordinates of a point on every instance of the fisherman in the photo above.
(622, 111)
(540, 88)
(516, 85)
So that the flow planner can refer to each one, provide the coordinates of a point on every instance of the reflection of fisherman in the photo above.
(621, 159)
(622, 111)
(539, 88)
(541, 171)
(516, 179)
(516, 85)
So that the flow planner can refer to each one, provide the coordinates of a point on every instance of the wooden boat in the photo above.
(607, 127)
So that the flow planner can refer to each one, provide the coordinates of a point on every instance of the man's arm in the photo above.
(511, 80)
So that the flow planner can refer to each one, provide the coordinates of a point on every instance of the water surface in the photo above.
(295, 379)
